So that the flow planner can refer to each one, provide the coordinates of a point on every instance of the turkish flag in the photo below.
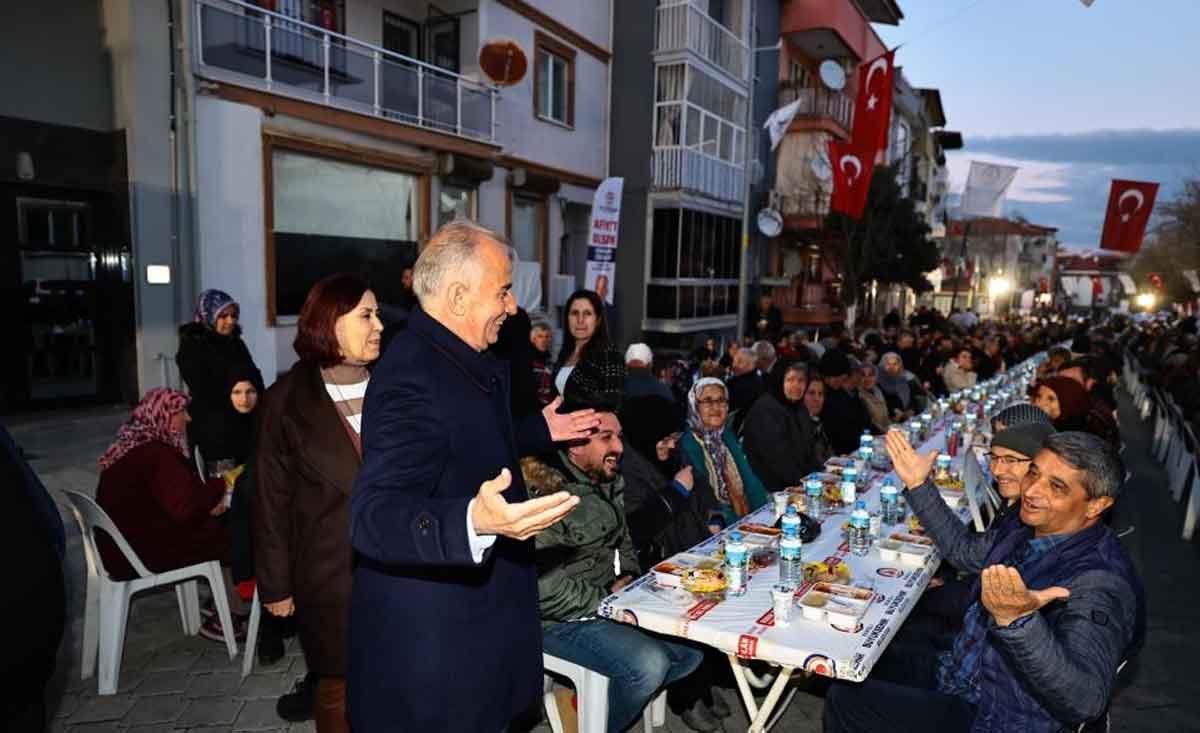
(1129, 206)
(852, 169)
(873, 106)
(1097, 285)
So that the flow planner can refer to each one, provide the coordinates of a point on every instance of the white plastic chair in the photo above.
(252, 634)
(591, 697)
(107, 604)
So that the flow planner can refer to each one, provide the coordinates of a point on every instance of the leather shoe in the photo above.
(698, 718)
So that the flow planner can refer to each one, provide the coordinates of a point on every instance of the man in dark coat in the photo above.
(845, 418)
(444, 632)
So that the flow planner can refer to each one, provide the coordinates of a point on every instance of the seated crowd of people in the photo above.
(1025, 633)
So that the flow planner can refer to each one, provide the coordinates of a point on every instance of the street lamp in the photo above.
(998, 287)
(1146, 301)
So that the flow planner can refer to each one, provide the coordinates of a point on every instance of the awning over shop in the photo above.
(1127, 284)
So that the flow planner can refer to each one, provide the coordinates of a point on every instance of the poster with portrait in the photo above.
(600, 275)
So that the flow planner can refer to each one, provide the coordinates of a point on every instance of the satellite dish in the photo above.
(770, 223)
(503, 61)
(832, 75)
(821, 167)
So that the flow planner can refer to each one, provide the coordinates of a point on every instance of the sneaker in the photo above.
(211, 629)
(297, 705)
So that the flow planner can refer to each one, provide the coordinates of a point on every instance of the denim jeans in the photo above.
(898, 697)
(637, 663)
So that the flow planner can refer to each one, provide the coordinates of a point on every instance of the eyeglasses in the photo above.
(1006, 460)
(711, 403)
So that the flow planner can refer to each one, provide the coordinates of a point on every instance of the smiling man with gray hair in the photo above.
(444, 606)
(1057, 608)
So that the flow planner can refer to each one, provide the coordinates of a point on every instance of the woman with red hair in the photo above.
(308, 454)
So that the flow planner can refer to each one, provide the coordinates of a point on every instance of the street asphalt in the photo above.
(173, 682)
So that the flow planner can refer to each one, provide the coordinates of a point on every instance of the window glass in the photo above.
(527, 228)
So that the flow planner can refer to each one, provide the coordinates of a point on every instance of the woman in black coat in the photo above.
(777, 434)
(210, 348)
(662, 498)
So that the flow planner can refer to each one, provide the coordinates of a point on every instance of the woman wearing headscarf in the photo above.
(308, 454)
(872, 397)
(713, 451)
(209, 348)
(814, 408)
(1065, 401)
(776, 434)
(901, 389)
(151, 491)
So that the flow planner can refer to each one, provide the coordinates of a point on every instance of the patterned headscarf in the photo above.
(210, 304)
(150, 421)
(722, 469)
(897, 385)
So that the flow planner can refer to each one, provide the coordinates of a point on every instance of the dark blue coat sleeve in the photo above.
(400, 513)
(533, 435)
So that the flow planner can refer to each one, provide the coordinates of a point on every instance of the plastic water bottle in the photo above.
(737, 564)
(791, 566)
(812, 489)
(860, 529)
(849, 492)
(867, 453)
(790, 523)
(850, 473)
(866, 439)
(889, 504)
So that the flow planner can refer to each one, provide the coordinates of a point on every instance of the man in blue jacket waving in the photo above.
(1056, 609)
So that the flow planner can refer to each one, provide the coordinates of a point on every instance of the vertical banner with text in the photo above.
(602, 239)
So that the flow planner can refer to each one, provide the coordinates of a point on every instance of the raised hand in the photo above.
(685, 478)
(912, 467)
(286, 607)
(492, 514)
(572, 425)
(1005, 596)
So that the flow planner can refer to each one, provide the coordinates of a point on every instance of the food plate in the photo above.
(911, 539)
(670, 572)
(705, 584)
(841, 604)
(832, 570)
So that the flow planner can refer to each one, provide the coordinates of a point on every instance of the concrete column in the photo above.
(137, 37)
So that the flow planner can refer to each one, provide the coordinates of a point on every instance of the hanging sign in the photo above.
(602, 239)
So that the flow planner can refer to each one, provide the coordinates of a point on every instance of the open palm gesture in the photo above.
(912, 467)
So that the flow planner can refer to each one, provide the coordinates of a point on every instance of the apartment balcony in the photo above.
(803, 210)
(245, 45)
(681, 26)
(678, 168)
(819, 109)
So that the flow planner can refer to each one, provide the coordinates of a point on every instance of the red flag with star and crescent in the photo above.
(873, 106)
(852, 169)
(1129, 206)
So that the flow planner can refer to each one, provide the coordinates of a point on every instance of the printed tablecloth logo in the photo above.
(767, 619)
(890, 572)
(747, 646)
(848, 629)
(820, 664)
(696, 612)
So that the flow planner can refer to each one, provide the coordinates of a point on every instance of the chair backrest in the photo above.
(91, 518)
(199, 462)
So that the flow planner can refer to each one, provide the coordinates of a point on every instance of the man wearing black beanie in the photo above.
(845, 418)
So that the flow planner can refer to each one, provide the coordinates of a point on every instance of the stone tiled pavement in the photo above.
(171, 682)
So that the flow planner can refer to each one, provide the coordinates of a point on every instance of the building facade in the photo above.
(995, 265)
(254, 147)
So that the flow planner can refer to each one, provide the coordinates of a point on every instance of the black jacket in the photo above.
(845, 418)
(205, 359)
(662, 521)
(778, 440)
(744, 389)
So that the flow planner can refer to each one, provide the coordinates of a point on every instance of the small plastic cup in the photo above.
(782, 598)
(781, 499)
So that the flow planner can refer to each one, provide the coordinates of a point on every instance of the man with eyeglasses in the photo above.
(1011, 454)
(1057, 607)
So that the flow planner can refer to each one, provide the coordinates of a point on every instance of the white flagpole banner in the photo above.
(1127, 283)
(987, 185)
(779, 121)
(602, 239)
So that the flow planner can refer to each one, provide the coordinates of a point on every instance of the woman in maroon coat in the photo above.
(152, 492)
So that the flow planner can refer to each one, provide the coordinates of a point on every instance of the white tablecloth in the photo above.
(744, 625)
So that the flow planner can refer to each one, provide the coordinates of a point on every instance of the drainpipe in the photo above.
(751, 153)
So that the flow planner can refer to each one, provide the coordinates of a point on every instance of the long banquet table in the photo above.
(744, 626)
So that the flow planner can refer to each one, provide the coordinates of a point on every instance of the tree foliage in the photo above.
(890, 243)
(1172, 247)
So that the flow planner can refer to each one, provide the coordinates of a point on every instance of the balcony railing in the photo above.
(677, 168)
(274, 52)
(804, 204)
(819, 104)
(685, 27)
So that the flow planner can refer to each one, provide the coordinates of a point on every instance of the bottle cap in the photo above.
(735, 536)
(860, 504)
(791, 510)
